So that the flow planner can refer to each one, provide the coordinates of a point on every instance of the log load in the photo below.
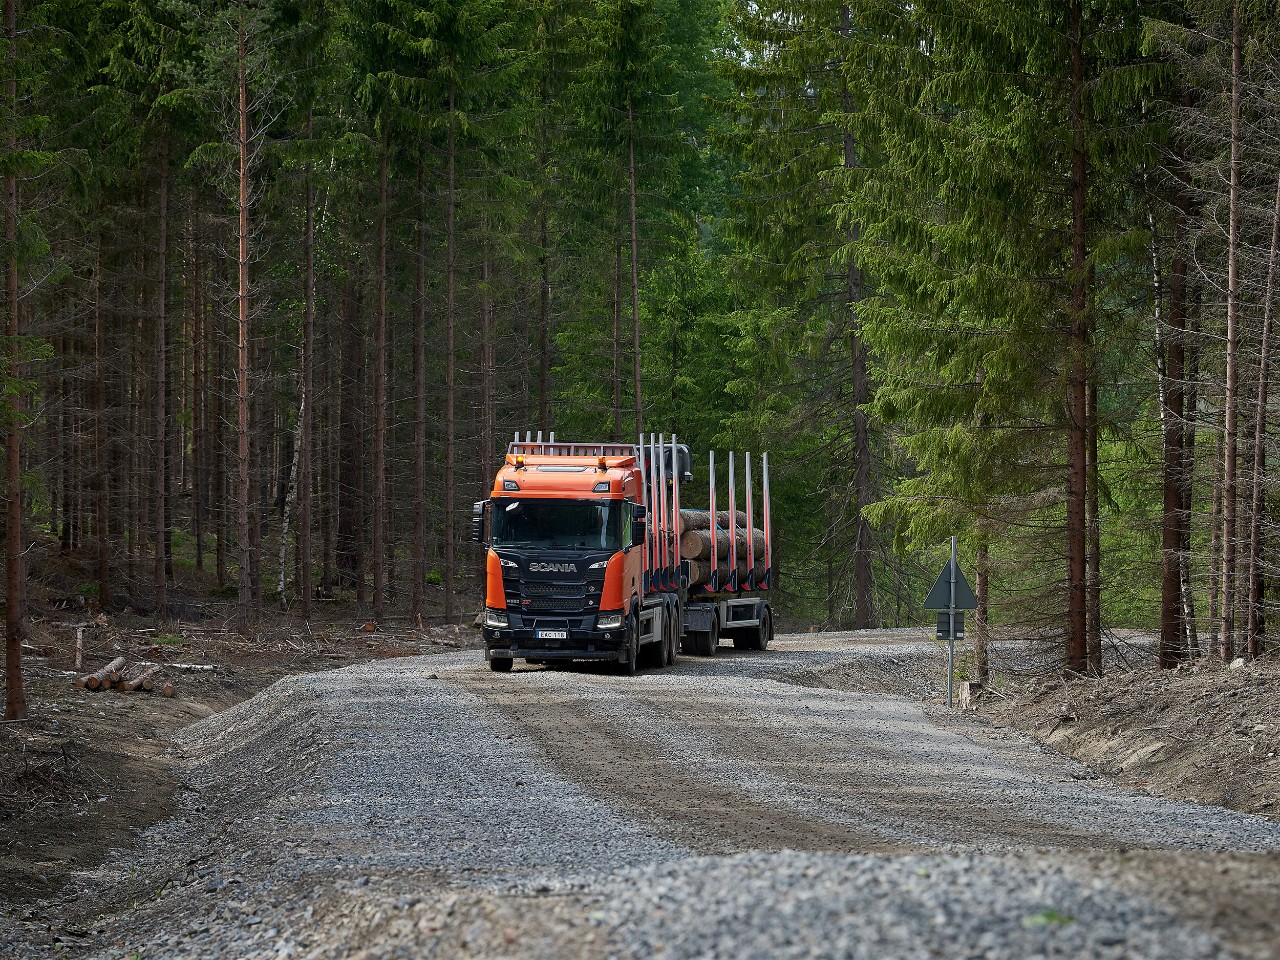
(104, 677)
(696, 544)
(700, 572)
(701, 520)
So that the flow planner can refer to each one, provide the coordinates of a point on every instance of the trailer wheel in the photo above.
(501, 664)
(766, 629)
(707, 642)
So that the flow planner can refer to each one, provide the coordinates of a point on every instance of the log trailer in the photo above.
(588, 556)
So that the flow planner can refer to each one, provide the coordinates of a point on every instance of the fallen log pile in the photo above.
(117, 675)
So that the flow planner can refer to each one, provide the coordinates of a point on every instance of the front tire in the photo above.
(627, 667)
(501, 664)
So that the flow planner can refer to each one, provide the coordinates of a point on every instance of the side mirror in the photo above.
(639, 518)
(477, 520)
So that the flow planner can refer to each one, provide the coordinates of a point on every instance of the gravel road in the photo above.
(734, 807)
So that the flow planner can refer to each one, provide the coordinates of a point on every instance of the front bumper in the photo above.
(582, 643)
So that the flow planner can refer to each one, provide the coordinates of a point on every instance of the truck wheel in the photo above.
(627, 667)
(707, 642)
(501, 664)
(669, 642)
(756, 638)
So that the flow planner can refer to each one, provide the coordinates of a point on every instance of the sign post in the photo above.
(951, 593)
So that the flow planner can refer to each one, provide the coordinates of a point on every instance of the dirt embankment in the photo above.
(88, 770)
(1201, 732)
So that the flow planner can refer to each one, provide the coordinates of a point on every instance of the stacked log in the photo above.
(142, 681)
(701, 520)
(104, 677)
(700, 572)
(696, 544)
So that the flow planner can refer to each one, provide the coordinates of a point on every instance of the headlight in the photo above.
(495, 618)
(507, 563)
(609, 621)
(599, 565)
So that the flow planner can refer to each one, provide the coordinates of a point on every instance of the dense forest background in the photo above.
(282, 277)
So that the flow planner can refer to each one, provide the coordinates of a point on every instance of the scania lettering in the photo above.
(584, 557)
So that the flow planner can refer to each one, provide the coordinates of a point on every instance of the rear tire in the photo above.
(707, 642)
(669, 641)
(501, 664)
(757, 637)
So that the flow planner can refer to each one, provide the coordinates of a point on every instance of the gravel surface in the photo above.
(426, 807)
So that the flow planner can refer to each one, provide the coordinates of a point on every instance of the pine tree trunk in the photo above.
(488, 422)
(306, 430)
(1254, 629)
(159, 425)
(199, 401)
(860, 382)
(420, 410)
(380, 401)
(617, 340)
(15, 612)
(1227, 628)
(635, 266)
(349, 550)
(981, 619)
(451, 254)
(1215, 549)
(1170, 373)
(1093, 545)
(544, 329)
(102, 507)
(1077, 374)
(244, 585)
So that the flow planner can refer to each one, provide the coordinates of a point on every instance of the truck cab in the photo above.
(564, 564)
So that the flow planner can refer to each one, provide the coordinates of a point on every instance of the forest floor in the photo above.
(1203, 732)
(88, 771)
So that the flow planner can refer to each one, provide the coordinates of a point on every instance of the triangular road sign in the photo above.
(939, 597)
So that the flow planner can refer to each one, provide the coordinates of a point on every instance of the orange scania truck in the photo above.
(583, 556)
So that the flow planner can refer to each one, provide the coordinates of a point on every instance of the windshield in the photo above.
(558, 524)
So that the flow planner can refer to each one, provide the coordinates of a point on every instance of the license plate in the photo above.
(553, 634)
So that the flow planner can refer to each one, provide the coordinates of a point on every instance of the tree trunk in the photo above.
(1255, 581)
(349, 548)
(451, 255)
(199, 398)
(860, 382)
(1227, 630)
(635, 266)
(1170, 373)
(544, 329)
(1077, 394)
(102, 509)
(244, 586)
(981, 619)
(306, 431)
(15, 704)
(617, 340)
(380, 401)
(160, 489)
(1093, 545)
(420, 410)
(488, 422)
